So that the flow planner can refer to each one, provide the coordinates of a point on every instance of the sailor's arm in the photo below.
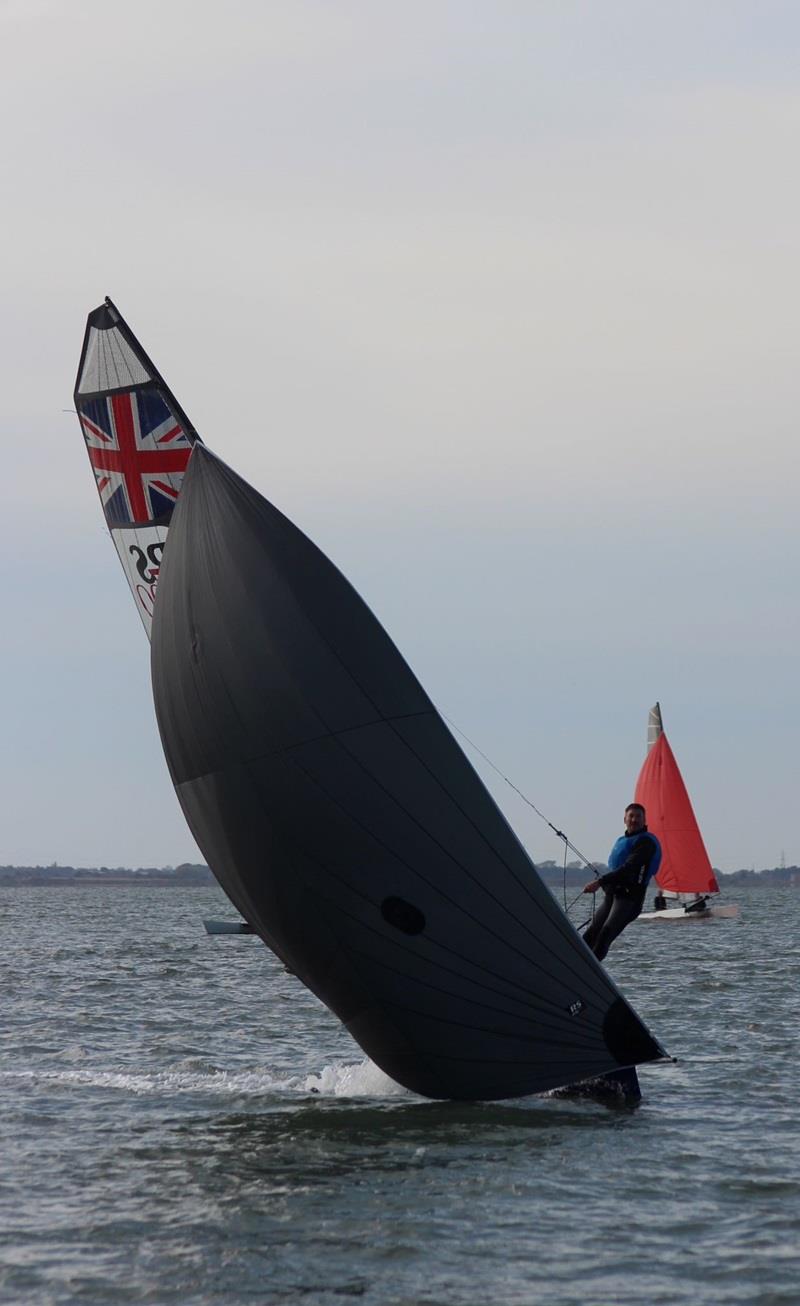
(593, 885)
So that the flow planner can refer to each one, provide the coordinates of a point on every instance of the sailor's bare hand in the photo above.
(592, 886)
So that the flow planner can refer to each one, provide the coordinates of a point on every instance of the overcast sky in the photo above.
(499, 302)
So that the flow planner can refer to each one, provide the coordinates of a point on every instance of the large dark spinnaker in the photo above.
(346, 824)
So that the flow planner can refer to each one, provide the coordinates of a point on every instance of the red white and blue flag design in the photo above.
(138, 452)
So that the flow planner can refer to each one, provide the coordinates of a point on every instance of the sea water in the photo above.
(182, 1122)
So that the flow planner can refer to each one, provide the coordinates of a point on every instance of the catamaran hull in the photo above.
(680, 914)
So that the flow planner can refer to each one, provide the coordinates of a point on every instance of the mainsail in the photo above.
(685, 865)
(139, 442)
(327, 794)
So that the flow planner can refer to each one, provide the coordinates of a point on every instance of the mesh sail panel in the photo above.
(109, 363)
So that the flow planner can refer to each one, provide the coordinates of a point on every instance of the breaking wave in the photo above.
(361, 1079)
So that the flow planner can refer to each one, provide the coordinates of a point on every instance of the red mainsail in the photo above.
(685, 867)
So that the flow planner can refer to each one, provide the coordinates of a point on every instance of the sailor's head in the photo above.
(634, 818)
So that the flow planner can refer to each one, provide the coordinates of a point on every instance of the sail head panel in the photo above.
(109, 362)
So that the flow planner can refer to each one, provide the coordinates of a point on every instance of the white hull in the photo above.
(680, 914)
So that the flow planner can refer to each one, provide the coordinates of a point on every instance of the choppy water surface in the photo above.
(182, 1122)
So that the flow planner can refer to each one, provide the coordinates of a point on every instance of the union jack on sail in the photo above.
(138, 452)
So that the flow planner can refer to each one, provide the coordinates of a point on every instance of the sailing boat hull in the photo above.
(618, 1087)
(680, 914)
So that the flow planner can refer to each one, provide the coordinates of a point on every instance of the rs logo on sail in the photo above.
(152, 555)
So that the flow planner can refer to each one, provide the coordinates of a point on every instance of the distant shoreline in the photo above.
(186, 876)
(193, 876)
(108, 881)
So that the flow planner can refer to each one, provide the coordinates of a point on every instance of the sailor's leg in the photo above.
(598, 920)
(623, 911)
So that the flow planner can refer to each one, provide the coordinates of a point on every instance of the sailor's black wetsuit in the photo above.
(634, 860)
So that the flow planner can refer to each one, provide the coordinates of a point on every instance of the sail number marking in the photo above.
(148, 565)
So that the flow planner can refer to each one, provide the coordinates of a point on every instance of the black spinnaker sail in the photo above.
(336, 809)
(346, 824)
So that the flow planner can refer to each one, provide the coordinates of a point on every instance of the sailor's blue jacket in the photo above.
(633, 862)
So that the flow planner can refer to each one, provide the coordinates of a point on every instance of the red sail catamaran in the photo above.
(685, 880)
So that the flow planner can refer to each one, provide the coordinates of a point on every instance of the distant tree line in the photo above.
(190, 874)
(774, 875)
(184, 875)
(577, 874)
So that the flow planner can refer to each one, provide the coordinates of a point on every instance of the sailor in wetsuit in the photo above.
(633, 862)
